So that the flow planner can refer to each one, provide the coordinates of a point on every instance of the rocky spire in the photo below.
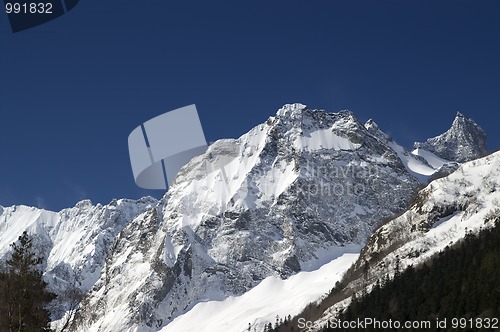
(464, 141)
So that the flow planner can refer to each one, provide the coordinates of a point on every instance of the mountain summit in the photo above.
(464, 141)
(294, 192)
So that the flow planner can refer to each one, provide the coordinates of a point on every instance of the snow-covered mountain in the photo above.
(293, 193)
(270, 203)
(464, 141)
(466, 201)
(74, 241)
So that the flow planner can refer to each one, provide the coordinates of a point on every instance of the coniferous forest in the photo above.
(462, 282)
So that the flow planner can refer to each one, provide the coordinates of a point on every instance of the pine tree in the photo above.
(24, 292)
(397, 269)
(3, 301)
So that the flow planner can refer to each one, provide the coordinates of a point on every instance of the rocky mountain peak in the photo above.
(462, 120)
(464, 141)
(291, 110)
(296, 121)
(371, 125)
(300, 113)
(375, 131)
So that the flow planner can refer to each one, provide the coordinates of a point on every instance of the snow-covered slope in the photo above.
(433, 160)
(441, 214)
(259, 306)
(420, 168)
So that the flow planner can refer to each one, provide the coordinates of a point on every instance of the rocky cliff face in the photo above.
(464, 141)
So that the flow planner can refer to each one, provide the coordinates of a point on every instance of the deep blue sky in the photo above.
(72, 90)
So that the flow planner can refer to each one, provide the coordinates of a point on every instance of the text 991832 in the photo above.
(25, 14)
(29, 8)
